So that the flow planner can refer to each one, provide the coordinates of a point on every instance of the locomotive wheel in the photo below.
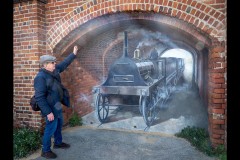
(175, 81)
(148, 111)
(102, 104)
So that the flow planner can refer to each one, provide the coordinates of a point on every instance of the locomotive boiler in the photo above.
(148, 82)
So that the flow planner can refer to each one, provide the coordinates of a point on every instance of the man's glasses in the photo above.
(53, 62)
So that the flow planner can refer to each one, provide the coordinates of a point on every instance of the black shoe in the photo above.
(49, 155)
(62, 145)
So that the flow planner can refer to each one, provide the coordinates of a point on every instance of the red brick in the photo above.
(216, 136)
(219, 91)
(224, 106)
(174, 13)
(193, 11)
(217, 75)
(188, 17)
(175, 4)
(165, 2)
(218, 131)
(216, 126)
(218, 80)
(189, 2)
(216, 55)
(184, 7)
(218, 111)
(183, 16)
(215, 100)
(179, 6)
(193, 3)
(213, 95)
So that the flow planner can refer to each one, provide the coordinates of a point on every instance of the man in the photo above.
(50, 94)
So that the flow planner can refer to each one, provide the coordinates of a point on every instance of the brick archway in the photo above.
(204, 17)
(209, 25)
(215, 119)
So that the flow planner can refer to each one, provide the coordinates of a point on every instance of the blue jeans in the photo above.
(52, 128)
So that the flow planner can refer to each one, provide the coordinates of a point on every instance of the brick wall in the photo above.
(29, 42)
(217, 107)
(39, 28)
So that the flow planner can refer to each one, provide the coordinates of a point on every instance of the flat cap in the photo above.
(47, 58)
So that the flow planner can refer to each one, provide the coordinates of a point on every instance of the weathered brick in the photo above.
(213, 95)
(218, 131)
(215, 100)
(216, 126)
(219, 91)
(218, 49)
(218, 80)
(216, 136)
(218, 121)
(219, 111)
(217, 75)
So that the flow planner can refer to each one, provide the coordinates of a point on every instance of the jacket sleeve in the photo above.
(66, 62)
(41, 93)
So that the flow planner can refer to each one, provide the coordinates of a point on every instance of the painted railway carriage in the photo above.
(148, 81)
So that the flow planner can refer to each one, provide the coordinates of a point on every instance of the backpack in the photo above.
(33, 102)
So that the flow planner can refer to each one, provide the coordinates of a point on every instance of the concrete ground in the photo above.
(125, 136)
(89, 143)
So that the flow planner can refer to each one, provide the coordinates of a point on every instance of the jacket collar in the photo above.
(54, 73)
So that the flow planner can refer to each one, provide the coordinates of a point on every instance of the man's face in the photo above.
(50, 66)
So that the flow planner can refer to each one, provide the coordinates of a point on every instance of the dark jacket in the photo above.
(49, 90)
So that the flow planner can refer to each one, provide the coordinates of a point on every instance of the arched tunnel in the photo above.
(100, 43)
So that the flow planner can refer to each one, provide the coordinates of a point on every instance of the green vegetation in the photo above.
(25, 141)
(199, 138)
(75, 120)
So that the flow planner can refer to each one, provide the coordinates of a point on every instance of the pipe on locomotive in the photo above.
(125, 45)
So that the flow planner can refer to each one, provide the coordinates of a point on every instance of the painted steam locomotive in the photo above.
(147, 81)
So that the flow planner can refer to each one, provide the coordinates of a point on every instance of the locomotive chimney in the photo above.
(125, 45)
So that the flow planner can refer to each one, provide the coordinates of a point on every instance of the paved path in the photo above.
(89, 143)
(124, 138)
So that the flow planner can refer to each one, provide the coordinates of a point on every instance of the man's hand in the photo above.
(50, 117)
(75, 49)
